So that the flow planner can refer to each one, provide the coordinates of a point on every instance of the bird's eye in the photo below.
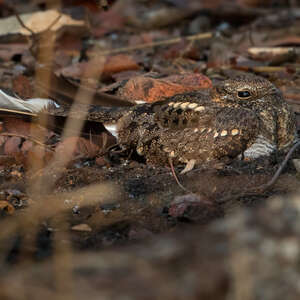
(244, 94)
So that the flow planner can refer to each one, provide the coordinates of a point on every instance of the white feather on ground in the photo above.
(35, 105)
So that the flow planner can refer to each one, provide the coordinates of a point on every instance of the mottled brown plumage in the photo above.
(244, 116)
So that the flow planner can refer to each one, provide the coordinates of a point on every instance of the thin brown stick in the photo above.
(175, 176)
(281, 167)
(200, 36)
(34, 37)
(52, 24)
(22, 23)
(264, 187)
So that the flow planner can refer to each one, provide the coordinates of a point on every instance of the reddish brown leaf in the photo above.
(77, 146)
(23, 87)
(119, 63)
(7, 51)
(12, 146)
(108, 66)
(18, 126)
(3, 139)
(150, 89)
(26, 146)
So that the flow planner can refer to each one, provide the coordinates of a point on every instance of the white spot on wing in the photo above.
(192, 105)
(223, 132)
(234, 132)
(184, 105)
(200, 108)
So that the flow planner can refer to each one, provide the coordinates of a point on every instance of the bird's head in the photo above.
(246, 91)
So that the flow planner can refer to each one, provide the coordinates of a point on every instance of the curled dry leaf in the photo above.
(151, 90)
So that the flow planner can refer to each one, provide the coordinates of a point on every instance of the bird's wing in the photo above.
(206, 133)
(182, 111)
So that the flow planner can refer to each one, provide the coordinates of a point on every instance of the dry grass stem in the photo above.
(201, 36)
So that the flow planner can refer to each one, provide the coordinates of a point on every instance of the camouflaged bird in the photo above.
(241, 117)
(245, 116)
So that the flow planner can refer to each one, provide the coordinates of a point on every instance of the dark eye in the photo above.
(244, 94)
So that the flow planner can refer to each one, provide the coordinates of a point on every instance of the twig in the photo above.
(175, 176)
(35, 36)
(266, 69)
(22, 23)
(201, 36)
(52, 24)
(281, 167)
(264, 187)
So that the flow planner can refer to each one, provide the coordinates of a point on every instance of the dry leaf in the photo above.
(151, 90)
(78, 146)
(7, 207)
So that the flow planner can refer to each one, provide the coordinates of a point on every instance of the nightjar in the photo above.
(245, 116)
